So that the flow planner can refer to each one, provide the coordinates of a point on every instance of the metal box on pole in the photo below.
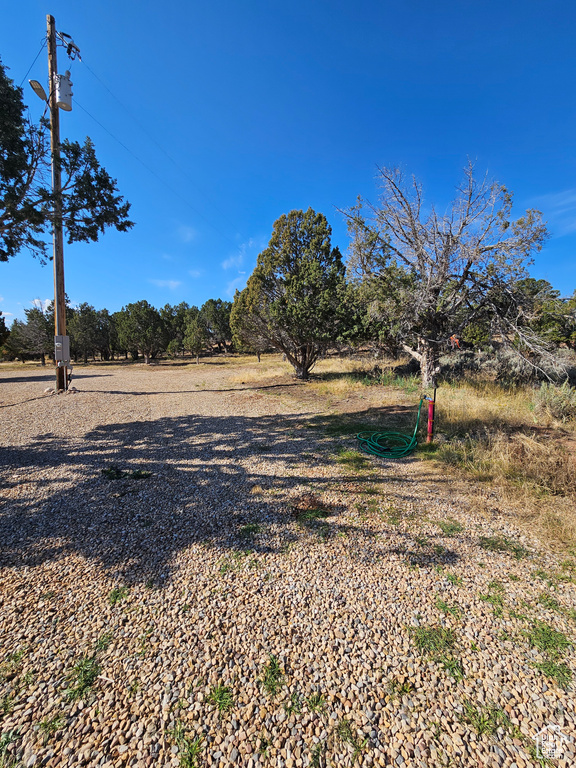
(62, 350)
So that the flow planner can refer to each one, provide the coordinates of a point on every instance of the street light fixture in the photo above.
(38, 90)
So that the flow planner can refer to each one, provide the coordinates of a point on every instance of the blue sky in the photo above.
(216, 118)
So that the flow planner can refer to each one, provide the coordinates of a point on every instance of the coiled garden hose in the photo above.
(390, 445)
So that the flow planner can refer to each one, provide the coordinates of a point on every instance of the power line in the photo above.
(34, 62)
(160, 179)
(129, 112)
(143, 128)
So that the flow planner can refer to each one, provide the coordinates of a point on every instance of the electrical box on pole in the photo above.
(64, 92)
(62, 350)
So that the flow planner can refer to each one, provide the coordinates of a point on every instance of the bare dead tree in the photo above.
(429, 275)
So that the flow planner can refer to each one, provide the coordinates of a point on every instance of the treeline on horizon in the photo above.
(449, 290)
(140, 331)
(137, 330)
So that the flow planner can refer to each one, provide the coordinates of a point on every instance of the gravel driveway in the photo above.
(195, 571)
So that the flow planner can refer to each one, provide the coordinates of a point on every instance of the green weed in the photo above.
(82, 677)
(495, 594)
(454, 610)
(234, 562)
(351, 459)
(272, 678)
(318, 755)
(6, 739)
(434, 639)
(453, 666)
(397, 689)
(117, 595)
(143, 642)
(547, 639)
(449, 527)
(311, 515)
(247, 531)
(140, 474)
(347, 733)
(503, 544)
(113, 472)
(294, 706)
(6, 704)
(549, 602)
(453, 579)
(487, 718)
(316, 702)
(103, 642)
(558, 672)
(221, 697)
(263, 745)
(49, 727)
(440, 643)
(536, 755)
(189, 749)
(12, 664)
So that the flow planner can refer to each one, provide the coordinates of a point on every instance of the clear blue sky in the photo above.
(244, 110)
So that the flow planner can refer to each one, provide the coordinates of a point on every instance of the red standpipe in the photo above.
(431, 403)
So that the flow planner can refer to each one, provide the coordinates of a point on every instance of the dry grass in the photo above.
(494, 436)
(472, 407)
(253, 372)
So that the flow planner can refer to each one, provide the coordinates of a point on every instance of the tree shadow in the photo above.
(194, 391)
(48, 377)
(212, 478)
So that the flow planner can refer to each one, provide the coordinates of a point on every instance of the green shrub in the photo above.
(557, 402)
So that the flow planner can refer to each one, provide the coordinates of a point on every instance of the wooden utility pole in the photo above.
(58, 236)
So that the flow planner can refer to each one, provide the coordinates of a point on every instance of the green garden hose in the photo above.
(389, 445)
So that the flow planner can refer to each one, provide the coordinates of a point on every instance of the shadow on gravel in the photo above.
(49, 377)
(255, 388)
(216, 480)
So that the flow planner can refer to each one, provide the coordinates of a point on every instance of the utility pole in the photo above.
(58, 236)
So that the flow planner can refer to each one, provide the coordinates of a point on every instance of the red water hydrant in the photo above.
(431, 404)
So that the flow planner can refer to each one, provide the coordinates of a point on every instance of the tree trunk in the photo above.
(42, 359)
(258, 356)
(197, 359)
(428, 363)
(146, 358)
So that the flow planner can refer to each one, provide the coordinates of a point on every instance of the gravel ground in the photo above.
(259, 599)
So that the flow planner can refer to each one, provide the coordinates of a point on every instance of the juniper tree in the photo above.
(140, 329)
(90, 199)
(293, 299)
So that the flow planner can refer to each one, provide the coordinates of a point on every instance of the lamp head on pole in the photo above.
(38, 90)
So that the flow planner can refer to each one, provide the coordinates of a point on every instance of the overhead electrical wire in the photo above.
(34, 62)
(130, 113)
(152, 171)
(164, 152)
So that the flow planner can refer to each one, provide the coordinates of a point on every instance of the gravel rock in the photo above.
(167, 531)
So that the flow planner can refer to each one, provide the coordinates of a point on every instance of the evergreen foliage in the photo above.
(294, 298)
(90, 199)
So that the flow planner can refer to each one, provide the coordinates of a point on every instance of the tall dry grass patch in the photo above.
(501, 437)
